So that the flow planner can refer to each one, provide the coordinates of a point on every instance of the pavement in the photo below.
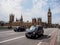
(9, 37)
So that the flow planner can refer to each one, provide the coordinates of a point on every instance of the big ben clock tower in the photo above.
(49, 17)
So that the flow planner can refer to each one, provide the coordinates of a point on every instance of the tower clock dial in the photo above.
(49, 14)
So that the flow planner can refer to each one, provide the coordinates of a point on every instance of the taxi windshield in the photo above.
(32, 28)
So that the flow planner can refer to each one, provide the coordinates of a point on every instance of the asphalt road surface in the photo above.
(9, 37)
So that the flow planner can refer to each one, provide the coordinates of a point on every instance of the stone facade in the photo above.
(49, 18)
(11, 18)
(35, 21)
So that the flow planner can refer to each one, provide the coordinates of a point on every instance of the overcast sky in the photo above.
(30, 9)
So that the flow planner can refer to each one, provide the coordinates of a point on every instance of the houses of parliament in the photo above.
(35, 21)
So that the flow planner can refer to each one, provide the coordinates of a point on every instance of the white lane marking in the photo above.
(52, 42)
(14, 33)
(39, 43)
(58, 37)
(11, 34)
(49, 34)
(6, 31)
(52, 33)
(8, 34)
(12, 39)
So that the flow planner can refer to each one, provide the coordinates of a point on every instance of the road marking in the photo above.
(39, 43)
(49, 34)
(58, 36)
(54, 38)
(10, 33)
(7, 34)
(5, 31)
(52, 33)
(12, 39)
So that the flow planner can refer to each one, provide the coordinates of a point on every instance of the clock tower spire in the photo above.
(49, 17)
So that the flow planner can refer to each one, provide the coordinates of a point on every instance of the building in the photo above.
(11, 18)
(35, 21)
(39, 21)
(21, 19)
(49, 18)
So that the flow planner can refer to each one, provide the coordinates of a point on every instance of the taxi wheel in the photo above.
(41, 34)
(27, 36)
(15, 31)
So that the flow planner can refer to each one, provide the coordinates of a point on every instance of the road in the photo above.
(9, 37)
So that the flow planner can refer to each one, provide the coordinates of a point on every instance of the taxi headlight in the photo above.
(33, 32)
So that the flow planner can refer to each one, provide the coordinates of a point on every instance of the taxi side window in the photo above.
(40, 28)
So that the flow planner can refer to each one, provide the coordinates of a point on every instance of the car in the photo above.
(19, 29)
(9, 27)
(34, 32)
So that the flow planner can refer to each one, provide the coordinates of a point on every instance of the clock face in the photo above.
(49, 14)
